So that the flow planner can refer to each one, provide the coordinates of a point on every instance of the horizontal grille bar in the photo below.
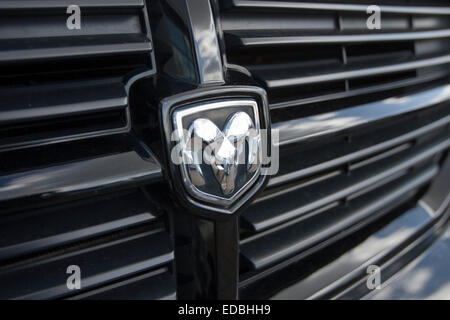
(80, 176)
(63, 4)
(264, 215)
(311, 59)
(255, 4)
(59, 85)
(56, 101)
(99, 265)
(291, 80)
(155, 285)
(72, 223)
(72, 170)
(359, 154)
(362, 117)
(255, 41)
(18, 50)
(295, 237)
(312, 127)
(404, 83)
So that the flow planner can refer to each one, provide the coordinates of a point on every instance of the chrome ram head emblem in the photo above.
(226, 149)
(219, 145)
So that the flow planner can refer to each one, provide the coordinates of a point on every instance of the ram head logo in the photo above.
(218, 146)
(218, 149)
(222, 150)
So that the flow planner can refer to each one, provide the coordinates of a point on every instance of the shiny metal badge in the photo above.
(219, 145)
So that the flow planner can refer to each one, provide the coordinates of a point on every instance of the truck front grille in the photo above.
(363, 118)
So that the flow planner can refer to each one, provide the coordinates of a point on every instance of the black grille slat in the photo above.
(18, 51)
(288, 77)
(362, 117)
(73, 173)
(285, 241)
(85, 176)
(49, 101)
(149, 286)
(248, 41)
(63, 4)
(64, 112)
(99, 265)
(307, 99)
(119, 240)
(419, 7)
(73, 76)
(74, 222)
(268, 213)
(345, 148)
(287, 46)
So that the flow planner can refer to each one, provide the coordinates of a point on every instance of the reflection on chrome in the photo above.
(224, 150)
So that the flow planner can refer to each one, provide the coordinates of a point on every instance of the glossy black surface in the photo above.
(207, 256)
(350, 146)
(293, 77)
(314, 57)
(150, 286)
(84, 179)
(63, 4)
(58, 84)
(341, 273)
(270, 41)
(360, 257)
(172, 39)
(209, 62)
(338, 181)
(426, 278)
(100, 264)
(227, 258)
(83, 176)
(300, 200)
(337, 6)
(78, 221)
(410, 232)
(341, 120)
(73, 171)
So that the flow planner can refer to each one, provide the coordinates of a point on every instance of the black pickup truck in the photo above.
(224, 149)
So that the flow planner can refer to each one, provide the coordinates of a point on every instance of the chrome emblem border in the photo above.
(197, 109)
(174, 174)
